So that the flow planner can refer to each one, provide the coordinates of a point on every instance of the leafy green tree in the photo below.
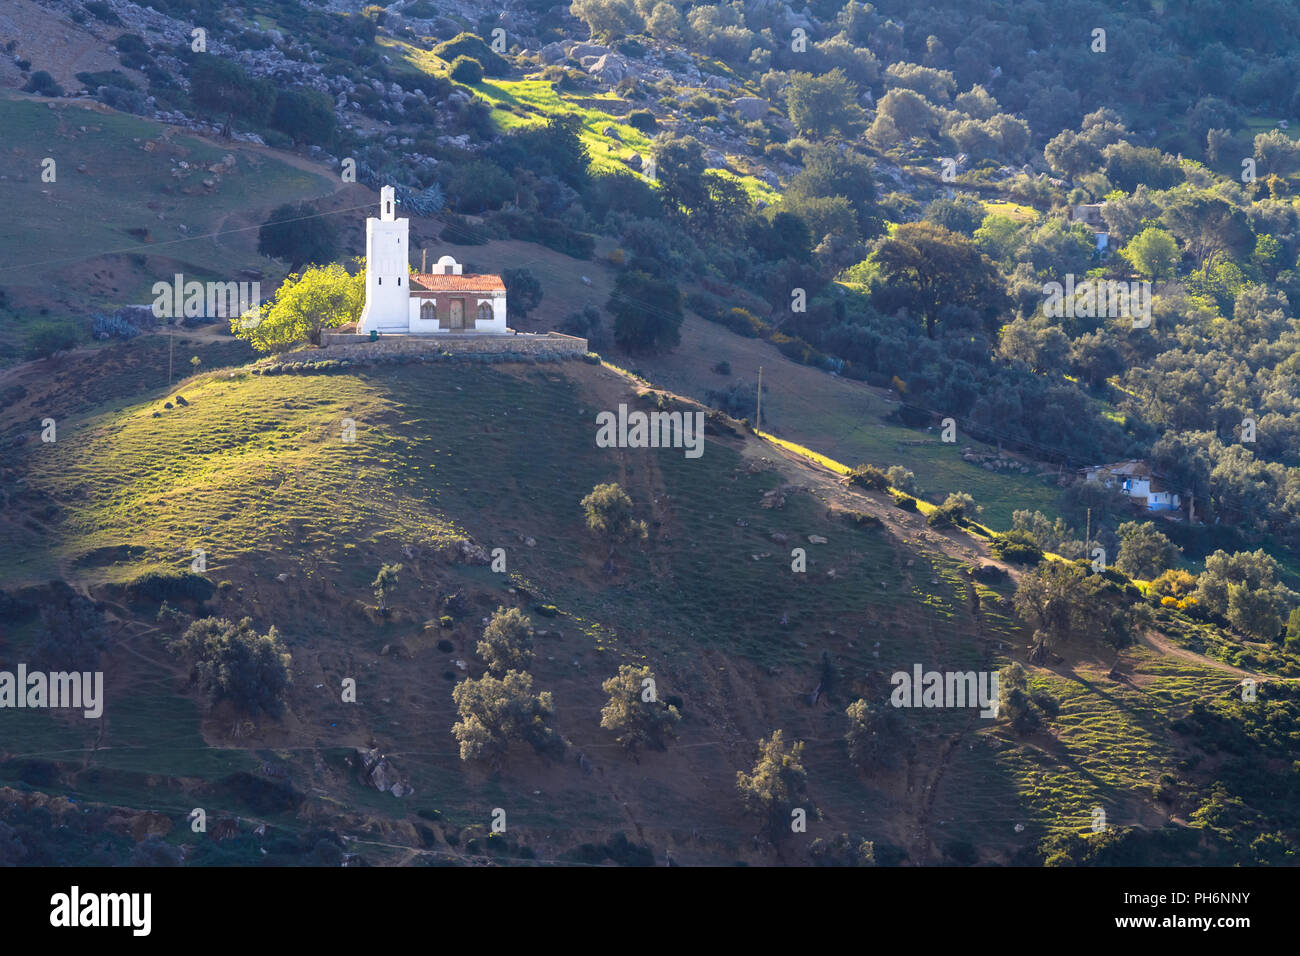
(1143, 551)
(384, 584)
(832, 175)
(962, 214)
(1153, 253)
(635, 712)
(647, 312)
(466, 69)
(1245, 588)
(679, 170)
(479, 185)
(1128, 166)
(1014, 703)
(1055, 600)
(900, 115)
(297, 234)
(523, 291)
(46, 337)
(875, 735)
(1277, 153)
(608, 511)
(777, 785)
(608, 19)
(306, 116)
(220, 86)
(820, 105)
(1293, 631)
(1072, 155)
(507, 641)
(1208, 226)
(304, 306)
(495, 713)
(925, 267)
(233, 662)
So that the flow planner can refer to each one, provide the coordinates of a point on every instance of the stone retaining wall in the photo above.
(349, 345)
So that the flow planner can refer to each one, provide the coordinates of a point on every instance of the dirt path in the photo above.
(1160, 644)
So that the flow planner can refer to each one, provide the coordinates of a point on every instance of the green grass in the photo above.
(521, 103)
(127, 185)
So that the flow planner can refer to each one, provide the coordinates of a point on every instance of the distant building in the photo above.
(1136, 479)
(444, 301)
(1090, 215)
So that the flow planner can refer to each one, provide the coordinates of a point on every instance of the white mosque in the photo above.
(445, 301)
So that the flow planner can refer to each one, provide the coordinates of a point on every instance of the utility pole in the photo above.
(171, 350)
(424, 260)
(1087, 535)
(759, 425)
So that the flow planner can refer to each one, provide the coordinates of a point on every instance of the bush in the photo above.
(472, 47)
(723, 368)
(642, 120)
(1017, 546)
(233, 662)
(906, 502)
(171, 586)
(742, 322)
(100, 10)
(870, 477)
(466, 70)
(48, 336)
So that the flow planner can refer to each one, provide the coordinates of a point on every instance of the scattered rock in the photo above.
(750, 107)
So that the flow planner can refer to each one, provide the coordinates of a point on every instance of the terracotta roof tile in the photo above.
(471, 282)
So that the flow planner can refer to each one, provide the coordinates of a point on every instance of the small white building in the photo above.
(446, 301)
(1136, 479)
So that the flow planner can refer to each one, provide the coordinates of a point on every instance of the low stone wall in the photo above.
(349, 345)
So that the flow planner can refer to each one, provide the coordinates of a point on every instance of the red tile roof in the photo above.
(463, 283)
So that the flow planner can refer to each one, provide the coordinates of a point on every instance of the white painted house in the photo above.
(446, 301)
(1137, 480)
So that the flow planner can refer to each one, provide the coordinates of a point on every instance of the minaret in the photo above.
(388, 291)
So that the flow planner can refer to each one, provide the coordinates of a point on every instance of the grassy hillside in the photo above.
(254, 471)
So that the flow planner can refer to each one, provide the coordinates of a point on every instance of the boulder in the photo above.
(750, 107)
(610, 68)
(580, 50)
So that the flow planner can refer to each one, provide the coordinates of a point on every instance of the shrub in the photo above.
(870, 477)
(1017, 546)
(906, 502)
(507, 641)
(723, 368)
(642, 120)
(171, 586)
(639, 722)
(742, 322)
(494, 713)
(861, 519)
(233, 662)
(472, 47)
(466, 70)
(48, 336)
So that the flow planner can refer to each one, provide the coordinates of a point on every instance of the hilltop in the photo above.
(295, 522)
